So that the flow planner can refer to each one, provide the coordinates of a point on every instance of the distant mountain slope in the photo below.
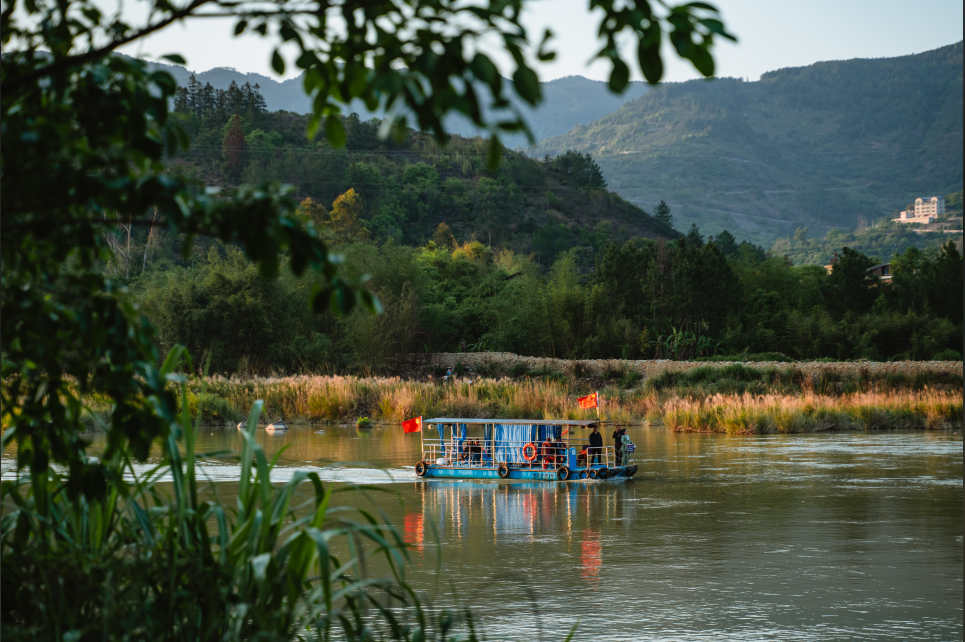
(568, 101)
(406, 189)
(821, 146)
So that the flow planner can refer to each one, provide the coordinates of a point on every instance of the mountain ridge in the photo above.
(567, 102)
(824, 146)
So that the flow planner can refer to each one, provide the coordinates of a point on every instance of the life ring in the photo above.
(503, 471)
(420, 469)
(529, 451)
(592, 473)
(562, 473)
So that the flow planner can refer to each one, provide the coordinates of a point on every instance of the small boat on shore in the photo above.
(530, 449)
(276, 426)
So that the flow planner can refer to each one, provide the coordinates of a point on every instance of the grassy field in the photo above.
(736, 399)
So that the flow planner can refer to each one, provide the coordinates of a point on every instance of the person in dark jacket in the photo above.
(618, 445)
(596, 447)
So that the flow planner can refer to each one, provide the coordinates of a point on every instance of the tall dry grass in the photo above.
(390, 399)
(338, 398)
(809, 412)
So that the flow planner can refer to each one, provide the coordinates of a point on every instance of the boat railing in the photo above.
(469, 454)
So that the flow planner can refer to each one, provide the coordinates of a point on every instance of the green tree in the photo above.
(662, 214)
(946, 292)
(694, 237)
(443, 236)
(726, 243)
(233, 148)
(579, 170)
(345, 218)
(765, 321)
(849, 287)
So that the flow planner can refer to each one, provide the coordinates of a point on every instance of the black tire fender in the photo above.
(603, 473)
(421, 468)
(593, 473)
(503, 471)
(562, 473)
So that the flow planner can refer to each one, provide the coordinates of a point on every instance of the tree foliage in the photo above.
(84, 134)
(645, 299)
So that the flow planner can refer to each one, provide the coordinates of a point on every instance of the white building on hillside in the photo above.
(927, 210)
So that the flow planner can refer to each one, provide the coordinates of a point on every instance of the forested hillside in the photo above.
(567, 101)
(405, 190)
(882, 239)
(535, 258)
(823, 147)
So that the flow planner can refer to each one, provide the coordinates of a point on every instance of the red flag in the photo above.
(589, 401)
(412, 425)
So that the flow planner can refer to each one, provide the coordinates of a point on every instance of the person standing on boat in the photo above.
(596, 446)
(627, 447)
(618, 444)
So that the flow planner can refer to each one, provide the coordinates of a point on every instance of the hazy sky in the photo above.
(771, 34)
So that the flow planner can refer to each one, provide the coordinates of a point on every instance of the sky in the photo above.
(771, 34)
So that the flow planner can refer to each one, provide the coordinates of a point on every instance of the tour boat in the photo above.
(525, 449)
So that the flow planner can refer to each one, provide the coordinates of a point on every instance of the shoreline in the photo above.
(734, 399)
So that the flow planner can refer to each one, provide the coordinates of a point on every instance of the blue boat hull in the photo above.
(530, 474)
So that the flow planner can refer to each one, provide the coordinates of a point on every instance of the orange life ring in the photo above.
(529, 452)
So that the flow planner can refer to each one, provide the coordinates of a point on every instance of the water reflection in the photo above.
(852, 536)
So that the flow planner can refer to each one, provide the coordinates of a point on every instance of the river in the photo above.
(847, 536)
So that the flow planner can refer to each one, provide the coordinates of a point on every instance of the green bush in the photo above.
(546, 374)
(518, 370)
(212, 409)
(948, 355)
(630, 379)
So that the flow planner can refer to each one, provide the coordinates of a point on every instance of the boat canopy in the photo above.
(531, 422)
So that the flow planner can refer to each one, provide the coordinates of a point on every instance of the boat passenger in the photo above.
(618, 444)
(475, 452)
(596, 447)
(548, 452)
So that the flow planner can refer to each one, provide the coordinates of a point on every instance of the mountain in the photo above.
(826, 146)
(567, 101)
(404, 190)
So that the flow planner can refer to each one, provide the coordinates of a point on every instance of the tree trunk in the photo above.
(147, 246)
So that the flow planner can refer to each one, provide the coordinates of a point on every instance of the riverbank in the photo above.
(735, 399)
(772, 413)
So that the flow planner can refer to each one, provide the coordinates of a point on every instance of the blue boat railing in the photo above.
(488, 454)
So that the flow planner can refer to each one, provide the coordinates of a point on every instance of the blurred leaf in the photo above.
(335, 131)
(277, 63)
(527, 85)
(619, 77)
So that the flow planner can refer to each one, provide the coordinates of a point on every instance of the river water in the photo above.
(852, 536)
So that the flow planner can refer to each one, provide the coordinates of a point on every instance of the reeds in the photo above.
(337, 398)
(810, 412)
(808, 407)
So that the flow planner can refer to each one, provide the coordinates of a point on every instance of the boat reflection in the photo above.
(476, 520)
